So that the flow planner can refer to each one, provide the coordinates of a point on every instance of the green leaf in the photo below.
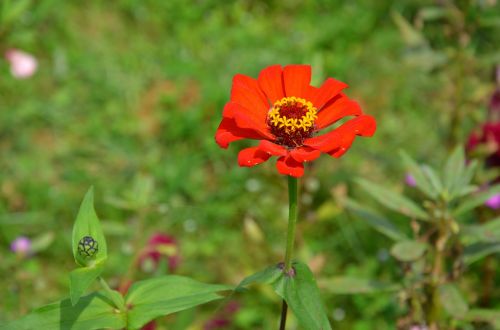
(452, 300)
(266, 276)
(421, 180)
(476, 200)
(350, 285)
(302, 296)
(484, 315)
(489, 232)
(165, 295)
(87, 224)
(376, 221)
(113, 295)
(408, 251)
(454, 170)
(433, 178)
(464, 186)
(80, 279)
(92, 312)
(393, 201)
(475, 252)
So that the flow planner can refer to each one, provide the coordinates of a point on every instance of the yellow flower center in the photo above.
(291, 120)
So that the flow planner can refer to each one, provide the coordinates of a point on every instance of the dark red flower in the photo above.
(162, 246)
(282, 110)
(486, 143)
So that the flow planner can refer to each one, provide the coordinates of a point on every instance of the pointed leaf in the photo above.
(489, 232)
(165, 295)
(421, 180)
(114, 296)
(454, 169)
(87, 224)
(80, 279)
(266, 276)
(92, 312)
(478, 251)
(393, 201)
(350, 285)
(376, 221)
(476, 200)
(408, 251)
(302, 296)
(433, 178)
(452, 300)
(464, 186)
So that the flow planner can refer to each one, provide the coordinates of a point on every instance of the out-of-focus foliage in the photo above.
(127, 97)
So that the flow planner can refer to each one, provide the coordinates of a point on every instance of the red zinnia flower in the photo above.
(282, 110)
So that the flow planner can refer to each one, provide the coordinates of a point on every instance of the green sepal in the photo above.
(87, 224)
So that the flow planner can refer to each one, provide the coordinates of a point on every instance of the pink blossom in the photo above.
(493, 202)
(21, 245)
(410, 180)
(22, 64)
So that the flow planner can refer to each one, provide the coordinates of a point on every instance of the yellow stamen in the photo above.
(305, 123)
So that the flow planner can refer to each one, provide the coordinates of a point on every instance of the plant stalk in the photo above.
(290, 238)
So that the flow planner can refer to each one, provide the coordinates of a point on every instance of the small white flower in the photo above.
(22, 64)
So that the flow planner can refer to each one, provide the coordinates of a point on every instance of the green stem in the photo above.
(290, 238)
(292, 221)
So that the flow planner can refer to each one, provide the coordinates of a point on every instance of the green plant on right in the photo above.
(438, 248)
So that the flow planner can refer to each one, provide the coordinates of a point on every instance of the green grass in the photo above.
(135, 89)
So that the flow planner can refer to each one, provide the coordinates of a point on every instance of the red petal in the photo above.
(305, 154)
(246, 92)
(330, 88)
(340, 139)
(297, 79)
(229, 132)
(271, 82)
(272, 148)
(246, 119)
(338, 109)
(288, 166)
(252, 156)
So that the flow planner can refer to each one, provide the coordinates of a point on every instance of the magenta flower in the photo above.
(493, 202)
(22, 64)
(410, 180)
(21, 246)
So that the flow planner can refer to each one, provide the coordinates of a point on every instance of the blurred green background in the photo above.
(127, 97)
